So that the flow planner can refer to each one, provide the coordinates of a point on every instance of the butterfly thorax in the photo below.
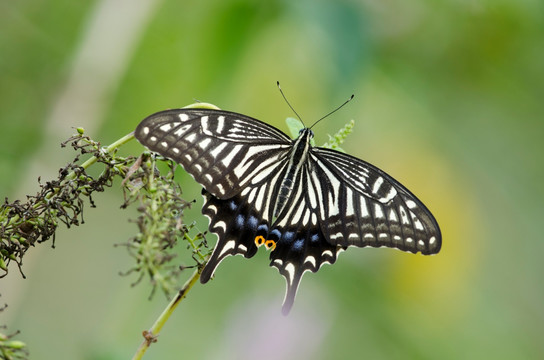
(298, 156)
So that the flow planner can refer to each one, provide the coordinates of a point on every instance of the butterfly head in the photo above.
(306, 133)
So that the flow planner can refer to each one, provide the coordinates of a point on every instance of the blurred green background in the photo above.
(449, 100)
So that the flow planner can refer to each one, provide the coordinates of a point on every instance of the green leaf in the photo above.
(294, 126)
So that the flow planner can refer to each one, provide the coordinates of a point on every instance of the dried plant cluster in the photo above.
(160, 224)
(24, 224)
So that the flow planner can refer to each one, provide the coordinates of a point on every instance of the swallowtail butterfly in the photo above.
(303, 203)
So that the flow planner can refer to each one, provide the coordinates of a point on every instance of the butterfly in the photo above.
(303, 203)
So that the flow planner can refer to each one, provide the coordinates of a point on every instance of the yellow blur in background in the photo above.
(448, 100)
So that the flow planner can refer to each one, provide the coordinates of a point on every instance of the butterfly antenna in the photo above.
(335, 110)
(287, 101)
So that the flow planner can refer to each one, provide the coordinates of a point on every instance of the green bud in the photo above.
(15, 344)
(202, 105)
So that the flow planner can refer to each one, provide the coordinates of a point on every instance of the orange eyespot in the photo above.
(270, 244)
(259, 240)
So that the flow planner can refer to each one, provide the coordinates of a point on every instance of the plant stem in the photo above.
(108, 149)
(150, 335)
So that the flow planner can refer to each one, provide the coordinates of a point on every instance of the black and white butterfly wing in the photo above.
(363, 206)
(330, 200)
(300, 242)
(240, 163)
(295, 236)
(222, 150)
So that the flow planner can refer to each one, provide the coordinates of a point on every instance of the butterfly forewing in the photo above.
(221, 150)
(303, 203)
(372, 210)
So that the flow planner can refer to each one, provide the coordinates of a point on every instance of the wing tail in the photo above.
(297, 251)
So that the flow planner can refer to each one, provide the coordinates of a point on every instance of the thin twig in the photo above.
(150, 336)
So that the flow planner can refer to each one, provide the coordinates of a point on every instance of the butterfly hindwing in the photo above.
(236, 226)
(299, 249)
(296, 246)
